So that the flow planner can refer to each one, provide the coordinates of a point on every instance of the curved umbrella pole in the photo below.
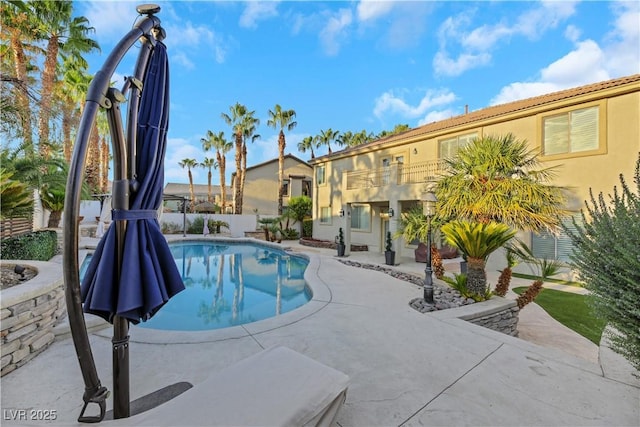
(98, 95)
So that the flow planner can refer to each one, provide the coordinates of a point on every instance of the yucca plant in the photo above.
(477, 241)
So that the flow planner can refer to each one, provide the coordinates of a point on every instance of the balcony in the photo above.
(396, 174)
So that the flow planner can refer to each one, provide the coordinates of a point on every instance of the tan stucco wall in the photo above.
(261, 186)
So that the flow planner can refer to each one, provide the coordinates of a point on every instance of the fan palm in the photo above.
(307, 144)
(326, 137)
(477, 241)
(63, 34)
(243, 124)
(17, 24)
(279, 118)
(189, 164)
(499, 179)
(209, 163)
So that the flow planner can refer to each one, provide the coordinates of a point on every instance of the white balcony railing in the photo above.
(396, 174)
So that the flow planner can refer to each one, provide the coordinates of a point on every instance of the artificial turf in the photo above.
(572, 310)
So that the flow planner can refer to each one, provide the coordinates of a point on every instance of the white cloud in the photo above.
(258, 11)
(622, 44)
(335, 31)
(389, 103)
(572, 33)
(444, 65)
(112, 19)
(186, 39)
(436, 116)
(182, 59)
(369, 10)
(588, 62)
(581, 66)
(549, 14)
(485, 37)
(473, 47)
(179, 149)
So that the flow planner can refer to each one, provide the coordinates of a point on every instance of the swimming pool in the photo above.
(230, 284)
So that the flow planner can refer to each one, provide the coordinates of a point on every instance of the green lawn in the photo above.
(548, 279)
(572, 310)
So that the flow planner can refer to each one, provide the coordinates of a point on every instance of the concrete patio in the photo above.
(405, 368)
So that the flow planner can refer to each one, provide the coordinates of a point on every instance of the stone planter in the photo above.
(29, 313)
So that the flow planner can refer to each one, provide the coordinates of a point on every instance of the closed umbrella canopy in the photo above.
(149, 276)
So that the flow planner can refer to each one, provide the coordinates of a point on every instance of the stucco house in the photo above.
(591, 132)
(200, 192)
(261, 184)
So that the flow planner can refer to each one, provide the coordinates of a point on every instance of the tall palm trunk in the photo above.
(92, 170)
(223, 190)
(46, 96)
(281, 147)
(104, 165)
(21, 90)
(237, 196)
(191, 193)
(209, 186)
(476, 276)
(67, 117)
(244, 173)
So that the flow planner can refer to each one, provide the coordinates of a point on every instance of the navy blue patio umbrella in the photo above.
(132, 273)
(148, 276)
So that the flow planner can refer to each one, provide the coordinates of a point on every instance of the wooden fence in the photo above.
(12, 227)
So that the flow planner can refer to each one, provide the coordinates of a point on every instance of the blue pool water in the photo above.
(229, 285)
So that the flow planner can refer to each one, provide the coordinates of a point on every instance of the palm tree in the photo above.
(63, 34)
(74, 87)
(222, 147)
(18, 29)
(279, 118)
(208, 163)
(477, 241)
(243, 123)
(307, 144)
(499, 179)
(250, 126)
(351, 139)
(326, 137)
(190, 163)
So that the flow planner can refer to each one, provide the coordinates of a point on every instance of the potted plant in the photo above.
(340, 242)
(389, 253)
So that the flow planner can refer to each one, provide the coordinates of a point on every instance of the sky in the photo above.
(366, 65)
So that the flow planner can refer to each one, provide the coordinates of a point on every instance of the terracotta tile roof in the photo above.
(494, 111)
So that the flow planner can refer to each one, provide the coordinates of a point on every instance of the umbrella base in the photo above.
(154, 399)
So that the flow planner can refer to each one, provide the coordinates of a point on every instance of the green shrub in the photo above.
(171, 228)
(307, 227)
(607, 257)
(290, 234)
(39, 246)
